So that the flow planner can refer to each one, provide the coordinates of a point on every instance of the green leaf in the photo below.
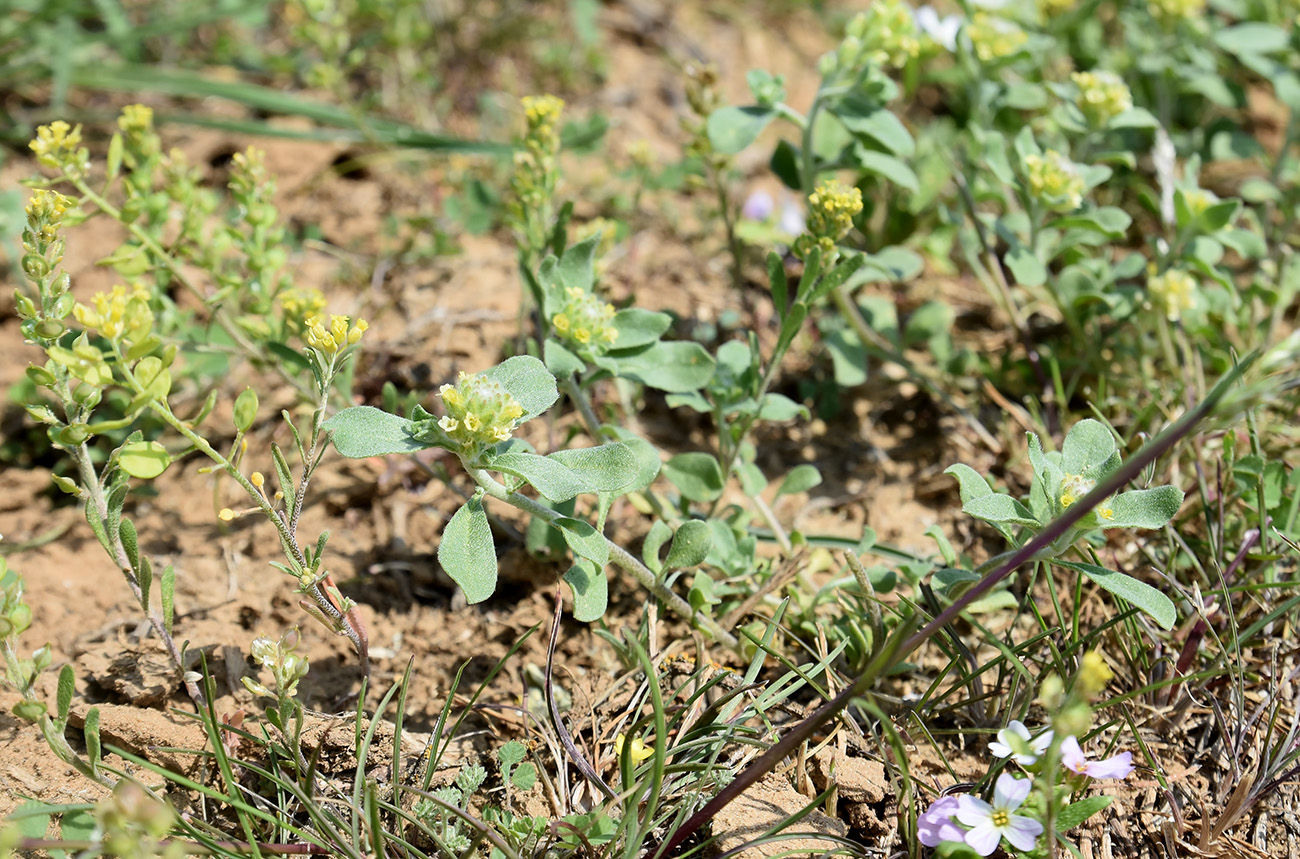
(77, 825)
(92, 737)
(524, 776)
(553, 479)
(800, 479)
(998, 508)
(363, 431)
(1135, 117)
(971, 483)
(867, 118)
(584, 540)
(696, 475)
(1144, 508)
(143, 459)
(654, 541)
(167, 593)
(648, 463)
(848, 358)
(590, 590)
(784, 164)
(1127, 588)
(1026, 267)
(638, 327)
(1251, 37)
(690, 546)
(779, 407)
(577, 266)
(732, 128)
(154, 378)
(528, 381)
(613, 467)
(467, 553)
(32, 818)
(130, 542)
(1089, 448)
(888, 167)
(951, 581)
(675, 367)
(63, 698)
(1107, 220)
(560, 361)
(1071, 815)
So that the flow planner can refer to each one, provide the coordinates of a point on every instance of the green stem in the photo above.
(617, 555)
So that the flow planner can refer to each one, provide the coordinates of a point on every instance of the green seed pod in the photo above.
(88, 395)
(41, 377)
(73, 435)
(50, 329)
(63, 306)
(66, 484)
(26, 307)
(20, 618)
(245, 409)
(30, 711)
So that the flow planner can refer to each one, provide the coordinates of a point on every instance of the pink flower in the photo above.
(936, 826)
(1119, 766)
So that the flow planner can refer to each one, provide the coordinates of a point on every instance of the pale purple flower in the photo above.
(758, 206)
(792, 220)
(1013, 742)
(1118, 766)
(991, 823)
(935, 825)
(942, 30)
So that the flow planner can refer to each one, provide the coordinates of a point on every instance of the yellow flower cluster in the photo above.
(136, 120)
(585, 321)
(994, 38)
(1198, 200)
(1055, 181)
(1170, 12)
(118, 314)
(534, 177)
(300, 305)
(45, 211)
(58, 146)
(480, 412)
(340, 334)
(1074, 487)
(885, 35)
(1172, 292)
(831, 209)
(1102, 96)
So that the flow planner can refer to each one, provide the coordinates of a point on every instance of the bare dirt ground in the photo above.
(882, 456)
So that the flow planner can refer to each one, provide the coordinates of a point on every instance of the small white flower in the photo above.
(1013, 742)
(792, 219)
(991, 823)
(942, 30)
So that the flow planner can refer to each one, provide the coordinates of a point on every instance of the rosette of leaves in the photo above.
(466, 551)
(1062, 479)
(626, 344)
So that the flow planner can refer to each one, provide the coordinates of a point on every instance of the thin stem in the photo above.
(617, 555)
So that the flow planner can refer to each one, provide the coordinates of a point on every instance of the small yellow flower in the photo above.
(1198, 200)
(831, 209)
(136, 120)
(638, 751)
(337, 336)
(1169, 12)
(1172, 292)
(1074, 487)
(585, 321)
(994, 38)
(58, 145)
(480, 413)
(885, 34)
(1102, 96)
(257, 479)
(226, 514)
(1093, 675)
(1055, 180)
(117, 314)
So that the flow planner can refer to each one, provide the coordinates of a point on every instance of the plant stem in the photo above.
(617, 554)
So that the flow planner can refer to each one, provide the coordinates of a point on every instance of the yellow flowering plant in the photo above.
(1062, 480)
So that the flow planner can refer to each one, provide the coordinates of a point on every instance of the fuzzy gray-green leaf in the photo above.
(1144, 508)
(691, 545)
(584, 540)
(1140, 594)
(528, 381)
(590, 590)
(555, 480)
(612, 467)
(363, 431)
(1000, 509)
(467, 553)
(674, 367)
(696, 475)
